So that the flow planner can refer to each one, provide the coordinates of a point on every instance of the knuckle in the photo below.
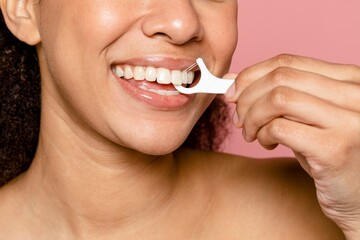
(280, 97)
(280, 76)
(284, 60)
(276, 129)
(246, 76)
(354, 71)
(246, 73)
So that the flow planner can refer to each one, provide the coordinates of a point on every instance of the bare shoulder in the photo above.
(272, 198)
(11, 213)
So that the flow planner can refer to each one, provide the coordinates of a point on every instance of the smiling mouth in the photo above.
(147, 78)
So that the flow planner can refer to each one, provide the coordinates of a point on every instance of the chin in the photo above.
(158, 148)
(157, 145)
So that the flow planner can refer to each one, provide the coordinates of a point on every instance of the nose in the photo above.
(176, 21)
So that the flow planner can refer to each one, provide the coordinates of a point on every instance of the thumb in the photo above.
(230, 94)
(230, 76)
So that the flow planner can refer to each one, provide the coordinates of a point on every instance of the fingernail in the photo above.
(230, 92)
(244, 134)
(235, 118)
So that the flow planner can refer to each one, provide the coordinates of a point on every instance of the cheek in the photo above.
(224, 40)
(105, 23)
(75, 36)
(86, 25)
(220, 25)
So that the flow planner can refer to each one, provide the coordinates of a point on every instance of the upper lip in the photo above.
(158, 62)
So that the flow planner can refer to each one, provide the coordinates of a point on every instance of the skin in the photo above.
(93, 178)
(310, 105)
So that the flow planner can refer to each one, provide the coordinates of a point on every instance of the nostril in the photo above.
(175, 25)
(159, 35)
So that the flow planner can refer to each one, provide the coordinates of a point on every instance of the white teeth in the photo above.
(176, 77)
(160, 92)
(190, 77)
(119, 71)
(139, 73)
(184, 77)
(163, 76)
(128, 73)
(151, 74)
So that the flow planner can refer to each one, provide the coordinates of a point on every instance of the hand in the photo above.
(312, 107)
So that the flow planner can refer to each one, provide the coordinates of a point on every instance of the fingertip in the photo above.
(235, 119)
(230, 76)
(230, 93)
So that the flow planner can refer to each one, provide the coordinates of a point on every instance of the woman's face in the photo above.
(92, 50)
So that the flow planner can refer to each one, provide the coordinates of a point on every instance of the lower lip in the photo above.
(161, 102)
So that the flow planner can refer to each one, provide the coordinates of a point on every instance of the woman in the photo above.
(108, 163)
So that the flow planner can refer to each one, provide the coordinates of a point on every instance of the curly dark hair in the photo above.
(20, 109)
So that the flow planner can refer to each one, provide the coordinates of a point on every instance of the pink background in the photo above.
(325, 29)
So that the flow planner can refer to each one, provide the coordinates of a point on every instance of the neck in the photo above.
(93, 187)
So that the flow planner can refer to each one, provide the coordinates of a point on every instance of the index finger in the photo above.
(342, 72)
